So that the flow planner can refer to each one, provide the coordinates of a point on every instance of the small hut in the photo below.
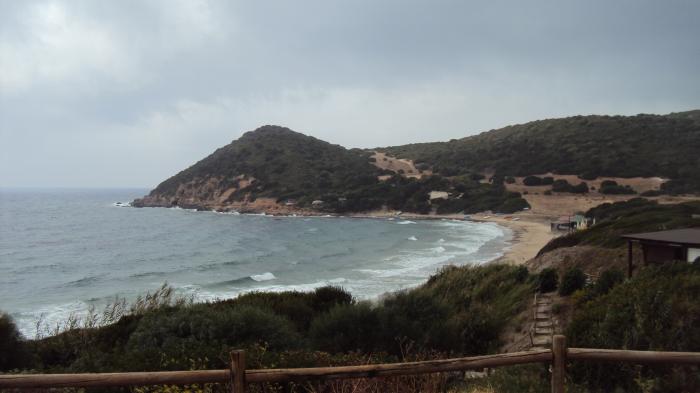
(664, 246)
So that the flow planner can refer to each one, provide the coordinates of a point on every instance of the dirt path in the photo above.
(398, 165)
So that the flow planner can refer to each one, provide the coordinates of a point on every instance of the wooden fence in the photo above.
(239, 377)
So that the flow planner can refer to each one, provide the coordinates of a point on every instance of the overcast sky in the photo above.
(126, 93)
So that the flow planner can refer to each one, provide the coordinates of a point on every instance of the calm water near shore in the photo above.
(64, 250)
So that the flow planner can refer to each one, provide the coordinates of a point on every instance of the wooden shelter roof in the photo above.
(685, 236)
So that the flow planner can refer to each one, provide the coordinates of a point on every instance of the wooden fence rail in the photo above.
(238, 376)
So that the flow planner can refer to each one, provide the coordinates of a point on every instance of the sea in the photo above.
(65, 250)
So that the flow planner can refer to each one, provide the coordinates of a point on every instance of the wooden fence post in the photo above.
(558, 363)
(238, 371)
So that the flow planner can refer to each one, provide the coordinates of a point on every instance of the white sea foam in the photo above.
(439, 249)
(48, 318)
(405, 222)
(263, 277)
(412, 238)
(301, 287)
(231, 213)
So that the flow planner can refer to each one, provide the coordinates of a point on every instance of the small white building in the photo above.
(439, 195)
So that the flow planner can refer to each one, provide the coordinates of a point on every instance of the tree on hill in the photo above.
(275, 162)
(588, 146)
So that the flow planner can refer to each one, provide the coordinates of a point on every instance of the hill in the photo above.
(268, 162)
(276, 170)
(588, 146)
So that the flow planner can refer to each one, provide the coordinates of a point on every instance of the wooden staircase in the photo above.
(542, 326)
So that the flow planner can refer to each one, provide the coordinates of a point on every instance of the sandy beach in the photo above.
(530, 234)
(530, 231)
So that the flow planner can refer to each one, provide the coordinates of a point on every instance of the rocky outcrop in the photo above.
(209, 193)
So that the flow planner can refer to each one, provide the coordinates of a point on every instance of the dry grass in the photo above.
(91, 318)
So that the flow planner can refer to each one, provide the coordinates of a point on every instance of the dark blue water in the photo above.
(64, 250)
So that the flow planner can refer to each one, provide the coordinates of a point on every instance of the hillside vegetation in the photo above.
(277, 163)
(656, 310)
(284, 164)
(460, 310)
(588, 146)
(633, 216)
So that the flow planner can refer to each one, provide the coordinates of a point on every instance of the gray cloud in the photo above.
(126, 93)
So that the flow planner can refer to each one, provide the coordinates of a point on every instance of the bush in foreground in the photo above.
(547, 280)
(656, 310)
(573, 280)
(13, 353)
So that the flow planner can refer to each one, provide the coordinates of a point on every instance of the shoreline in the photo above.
(530, 231)
(530, 234)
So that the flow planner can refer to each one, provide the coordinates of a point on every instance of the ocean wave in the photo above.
(230, 213)
(203, 295)
(302, 287)
(335, 254)
(146, 274)
(267, 276)
(405, 222)
(412, 238)
(439, 249)
(83, 282)
(232, 282)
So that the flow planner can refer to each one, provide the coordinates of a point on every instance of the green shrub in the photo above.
(611, 187)
(206, 332)
(347, 328)
(608, 280)
(298, 307)
(532, 181)
(417, 317)
(512, 205)
(547, 280)
(329, 296)
(580, 188)
(573, 280)
(521, 274)
(13, 352)
(561, 185)
(656, 310)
